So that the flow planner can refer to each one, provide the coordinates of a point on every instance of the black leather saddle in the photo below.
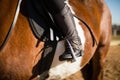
(40, 20)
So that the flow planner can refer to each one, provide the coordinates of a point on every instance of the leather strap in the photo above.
(12, 25)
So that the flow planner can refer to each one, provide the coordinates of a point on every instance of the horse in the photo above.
(22, 51)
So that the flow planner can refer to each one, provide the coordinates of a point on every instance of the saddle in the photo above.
(40, 20)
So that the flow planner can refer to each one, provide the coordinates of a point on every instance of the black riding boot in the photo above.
(64, 19)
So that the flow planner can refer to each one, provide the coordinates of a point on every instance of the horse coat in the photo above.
(24, 47)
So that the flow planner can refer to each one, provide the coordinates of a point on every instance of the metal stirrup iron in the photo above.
(72, 52)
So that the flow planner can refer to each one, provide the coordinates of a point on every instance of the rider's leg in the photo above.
(64, 19)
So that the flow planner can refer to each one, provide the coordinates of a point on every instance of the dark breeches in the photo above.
(64, 20)
(54, 6)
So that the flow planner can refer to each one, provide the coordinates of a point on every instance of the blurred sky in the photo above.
(114, 6)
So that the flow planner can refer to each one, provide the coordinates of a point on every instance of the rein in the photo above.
(12, 25)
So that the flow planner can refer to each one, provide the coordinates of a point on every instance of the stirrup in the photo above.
(74, 58)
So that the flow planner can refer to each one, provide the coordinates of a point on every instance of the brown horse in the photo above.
(23, 51)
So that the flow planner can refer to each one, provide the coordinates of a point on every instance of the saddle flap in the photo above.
(39, 20)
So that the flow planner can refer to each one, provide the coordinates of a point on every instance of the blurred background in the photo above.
(114, 6)
(112, 66)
